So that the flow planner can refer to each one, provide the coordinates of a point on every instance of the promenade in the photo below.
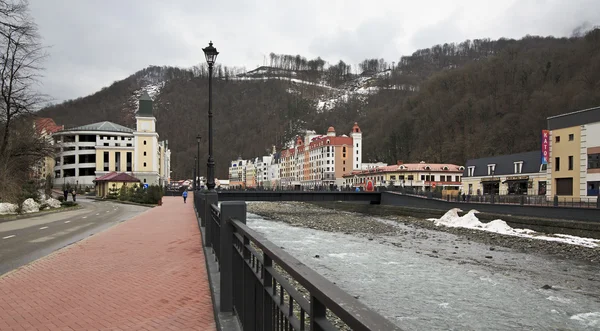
(147, 273)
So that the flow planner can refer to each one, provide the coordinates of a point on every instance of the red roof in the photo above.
(46, 124)
(117, 177)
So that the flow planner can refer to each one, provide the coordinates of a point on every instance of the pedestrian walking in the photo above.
(184, 196)
(74, 193)
(66, 194)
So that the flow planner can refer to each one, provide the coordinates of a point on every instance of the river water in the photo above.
(432, 280)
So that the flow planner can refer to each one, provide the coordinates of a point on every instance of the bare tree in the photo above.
(20, 60)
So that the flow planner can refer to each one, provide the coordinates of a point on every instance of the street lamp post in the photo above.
(198, 164)
(211, 55)
(195, 173)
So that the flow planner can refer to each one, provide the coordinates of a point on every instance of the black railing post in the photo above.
(318, 311)
(210, 197)
(229, 210)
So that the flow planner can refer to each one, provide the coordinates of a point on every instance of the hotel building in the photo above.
(574, 162)
(422, 175)
(313, 161)
(518, 174)
(91, 151)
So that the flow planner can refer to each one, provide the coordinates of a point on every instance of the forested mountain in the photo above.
(446, 103)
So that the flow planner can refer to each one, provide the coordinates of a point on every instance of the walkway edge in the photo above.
(224, 321)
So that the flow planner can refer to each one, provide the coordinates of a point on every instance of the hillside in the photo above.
(446, 103)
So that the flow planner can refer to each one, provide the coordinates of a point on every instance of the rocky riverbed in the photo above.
(315, 217)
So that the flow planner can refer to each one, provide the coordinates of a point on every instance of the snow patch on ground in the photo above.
(470, 221)
(8, 208)
(30, 206)
(53, 203)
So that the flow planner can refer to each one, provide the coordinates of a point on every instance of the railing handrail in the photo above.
(354, 313)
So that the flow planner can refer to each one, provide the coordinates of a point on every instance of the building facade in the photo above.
(423, 176)
(45, 127)
(91, 151)
(514, 174)
(574, 162)
(312, 161)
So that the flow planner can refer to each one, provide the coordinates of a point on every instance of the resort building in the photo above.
(574, 160)
(423, 176)
(518, 174)
(313, 161)
(91, 151)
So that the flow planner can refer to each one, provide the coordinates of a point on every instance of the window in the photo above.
(105, 161)
(356, 145)
(442, 178)
(356, 159)
(128, 161)
(518, 167)
(594, 161)
(571, 137)
(543, 167)
(356, 152)
(570, 162)
(422, 177)
(471, 171)
(144, 164)
(144, 180)
(144, 142)
(117, 161)
(491, 169)
(410, 177)
(144, 153)
(557, 139)
(344, 149)
(344, 169)
(557, 164)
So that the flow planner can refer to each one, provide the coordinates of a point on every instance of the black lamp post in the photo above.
(195, 173)
(197, 178)
(211, 55)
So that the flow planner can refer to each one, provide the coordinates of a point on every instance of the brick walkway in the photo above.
(147, 273)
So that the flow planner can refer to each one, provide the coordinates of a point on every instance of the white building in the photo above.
(90, 151)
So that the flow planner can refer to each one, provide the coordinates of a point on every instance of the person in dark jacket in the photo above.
(66, 194)
(74, 193)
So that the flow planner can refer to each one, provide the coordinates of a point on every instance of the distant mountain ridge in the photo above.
(446, 103)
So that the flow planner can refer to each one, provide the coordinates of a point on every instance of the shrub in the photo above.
(61, 198)
(69, 204)
(87, 189)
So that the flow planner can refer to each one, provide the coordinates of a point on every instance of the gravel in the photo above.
(315, 217)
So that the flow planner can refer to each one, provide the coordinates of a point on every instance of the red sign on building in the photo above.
(545, 146)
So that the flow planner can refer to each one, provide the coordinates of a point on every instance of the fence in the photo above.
(266, 287)
(524, 200)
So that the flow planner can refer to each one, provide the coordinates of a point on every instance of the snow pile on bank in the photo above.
(8, 208)
(470, 221)
(53, 203)
(30, 206)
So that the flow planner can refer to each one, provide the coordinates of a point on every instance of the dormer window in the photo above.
(518, 167)
(427, 168)
(471, 171)
(491, 169)
(445, 168)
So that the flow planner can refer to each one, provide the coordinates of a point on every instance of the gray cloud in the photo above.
(94, 43)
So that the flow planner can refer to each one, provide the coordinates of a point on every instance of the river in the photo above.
(432, 280)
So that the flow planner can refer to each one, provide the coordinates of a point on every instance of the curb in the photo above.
(39, 213)
(123, 202)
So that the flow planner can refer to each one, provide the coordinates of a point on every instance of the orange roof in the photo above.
(46, 124)
(335, 141)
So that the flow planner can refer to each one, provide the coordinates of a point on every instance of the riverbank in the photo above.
(312, 216)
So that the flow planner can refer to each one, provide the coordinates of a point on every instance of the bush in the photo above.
(69, 204)
(61, 198)
(87, 189)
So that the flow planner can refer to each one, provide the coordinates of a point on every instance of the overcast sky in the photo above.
(94, 43)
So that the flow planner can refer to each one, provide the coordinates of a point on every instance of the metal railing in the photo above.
(267, 288)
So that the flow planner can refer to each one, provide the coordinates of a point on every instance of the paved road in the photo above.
(25, 240)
